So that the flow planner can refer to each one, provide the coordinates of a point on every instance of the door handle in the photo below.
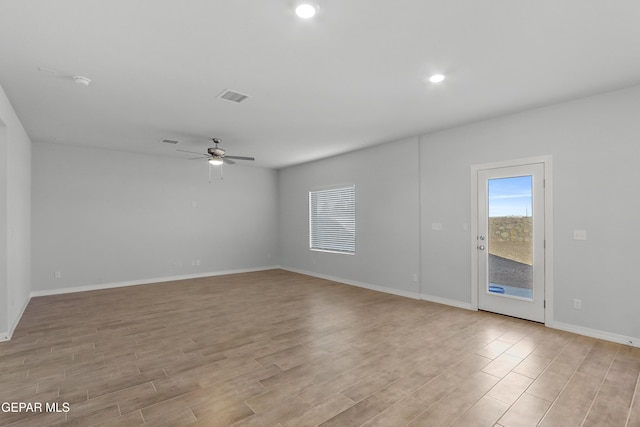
(481, 247)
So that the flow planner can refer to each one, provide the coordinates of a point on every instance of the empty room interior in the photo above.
(335, 213)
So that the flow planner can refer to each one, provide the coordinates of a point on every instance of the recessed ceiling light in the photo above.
(436, 78)
(306, 10)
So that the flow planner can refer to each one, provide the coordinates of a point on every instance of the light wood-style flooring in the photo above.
(276, 348)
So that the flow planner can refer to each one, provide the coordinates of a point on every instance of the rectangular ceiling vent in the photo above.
(232, 95)
(170, 141)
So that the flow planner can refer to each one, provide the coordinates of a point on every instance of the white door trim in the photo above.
(548, 231)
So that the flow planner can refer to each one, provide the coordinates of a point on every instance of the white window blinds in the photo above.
(332, 220)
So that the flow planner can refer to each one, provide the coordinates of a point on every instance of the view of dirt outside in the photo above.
(511, 238)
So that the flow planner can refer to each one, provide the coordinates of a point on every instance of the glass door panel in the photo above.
(510, 236)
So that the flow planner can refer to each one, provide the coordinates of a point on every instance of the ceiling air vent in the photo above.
(232, 95)
(169, 141)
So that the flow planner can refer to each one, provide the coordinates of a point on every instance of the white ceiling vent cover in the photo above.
(232, 95)
(169, 141)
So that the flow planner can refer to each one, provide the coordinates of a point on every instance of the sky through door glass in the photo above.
(510, 196)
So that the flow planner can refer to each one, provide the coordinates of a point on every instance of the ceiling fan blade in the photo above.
(198, 158)
(227, 161)
(239, 157)
(192, 152)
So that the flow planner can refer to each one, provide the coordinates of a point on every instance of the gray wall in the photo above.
(595, 144)
(387, 216)
(595, 147)
(108, 217)
(15, 218)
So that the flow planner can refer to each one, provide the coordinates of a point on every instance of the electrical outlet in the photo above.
(436, 226)
(58, 274)
(577, 303)
(415, 277)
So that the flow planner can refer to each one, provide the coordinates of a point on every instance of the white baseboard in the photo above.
(399, 292)
(145, 281)
(6, 336)
(593, 333)
(596, 333)
(446, 301)
(408, 294)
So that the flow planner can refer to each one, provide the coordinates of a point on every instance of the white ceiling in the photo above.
(353, 76)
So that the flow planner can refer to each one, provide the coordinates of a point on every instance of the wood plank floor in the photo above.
(276, 348)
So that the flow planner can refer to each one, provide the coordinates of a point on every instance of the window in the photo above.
(332, 220)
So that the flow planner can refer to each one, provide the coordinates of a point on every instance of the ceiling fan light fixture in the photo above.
(306, 9)
(82, 81)
(215, 161)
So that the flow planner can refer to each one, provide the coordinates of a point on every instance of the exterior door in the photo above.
(510, 241)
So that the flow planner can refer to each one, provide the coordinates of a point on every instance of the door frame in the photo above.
(548, 230)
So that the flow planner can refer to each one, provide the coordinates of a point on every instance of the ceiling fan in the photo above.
(217, 155)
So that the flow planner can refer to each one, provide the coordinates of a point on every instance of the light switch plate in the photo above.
(579, 234)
